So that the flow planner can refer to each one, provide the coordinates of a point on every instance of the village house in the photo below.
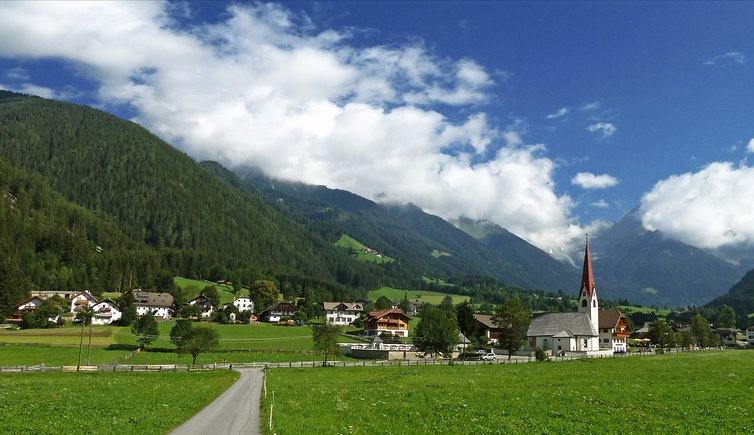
(487, 328)
(750, 335)
(81, 300)
(159, 304)
(727, 336)
(342, 313)
(204, 304)
(562, 333)
(391, 321)
(106, 313)
(243, 303)
(277, 311)
(30, 304)
(614, 331)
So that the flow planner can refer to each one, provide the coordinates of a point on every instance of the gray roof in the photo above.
(551, 324)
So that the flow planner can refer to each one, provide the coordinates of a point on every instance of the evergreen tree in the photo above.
(466, 320)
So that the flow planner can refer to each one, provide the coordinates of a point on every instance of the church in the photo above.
(572, 333)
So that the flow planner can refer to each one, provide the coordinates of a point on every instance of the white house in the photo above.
(275, 312)
(80, 300)
(614, 331)
(160, 304)
(105, 313)
(750, 335)
(571, 332)
(243, 303)
(205, 304)
(342, 313)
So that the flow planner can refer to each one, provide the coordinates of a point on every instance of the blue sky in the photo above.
(547, 118)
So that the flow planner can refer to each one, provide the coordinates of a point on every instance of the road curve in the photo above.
(235, 412)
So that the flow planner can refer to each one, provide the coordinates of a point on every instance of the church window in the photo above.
(583, 303)
(594, 303)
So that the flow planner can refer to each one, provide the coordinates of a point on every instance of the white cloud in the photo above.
(607, 129)
(750, 146)
(563, 111)
(268, 88)
(710, 208)
(17, 74)
(731, 58)
(587, 180)
(594, 105)
(601, 204)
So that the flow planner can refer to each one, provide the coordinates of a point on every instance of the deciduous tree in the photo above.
(326, 339)
(146, 328)
(263, 293)
(513, 320)
(437, 333)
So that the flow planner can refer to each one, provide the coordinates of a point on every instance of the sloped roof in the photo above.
(609, 318)
(382, 313)
(27, 300)
(148, 299)
(587, 277)
(350, 306)
(564, 334)
(284, 306)
(550, 324)
(486, 320)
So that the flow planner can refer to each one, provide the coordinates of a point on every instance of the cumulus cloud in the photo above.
(727, 59)
(587, 180)
(267, 87)
(750, 146)
(607, 129)
(563, 111)
(711, 208)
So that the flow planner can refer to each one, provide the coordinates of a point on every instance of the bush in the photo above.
(540, 355)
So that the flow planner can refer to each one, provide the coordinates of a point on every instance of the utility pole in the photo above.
(81, 344)
(89, 352)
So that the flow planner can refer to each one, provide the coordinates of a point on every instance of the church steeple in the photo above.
(587, 278)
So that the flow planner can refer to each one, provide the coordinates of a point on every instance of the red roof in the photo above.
(383, 313)
(587, 278)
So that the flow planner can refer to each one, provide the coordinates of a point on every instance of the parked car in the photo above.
(487, 357)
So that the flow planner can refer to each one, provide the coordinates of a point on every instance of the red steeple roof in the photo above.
(587, 278)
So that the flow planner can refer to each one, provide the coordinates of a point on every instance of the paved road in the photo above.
(235, 412)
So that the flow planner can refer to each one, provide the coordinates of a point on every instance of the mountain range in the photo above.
(172, 214)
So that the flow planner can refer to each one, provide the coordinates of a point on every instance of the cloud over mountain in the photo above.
(267, 87)
(711, 208)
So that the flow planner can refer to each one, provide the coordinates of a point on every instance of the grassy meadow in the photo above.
(33, 346)
(105, 403)
(703, 392)
(194, 287)
(347, 242)
(431, 297)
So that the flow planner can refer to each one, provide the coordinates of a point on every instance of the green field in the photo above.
(347, 242)
(628, 309)
(195, 286)
(433, 298)
(258, 337)
(55, 356)
(704, 392)
(105, 403)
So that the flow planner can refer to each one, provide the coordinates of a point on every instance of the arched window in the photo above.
(594, 303)
(583, 303)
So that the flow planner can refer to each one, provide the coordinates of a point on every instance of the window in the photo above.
(594, 303)
(583, 303)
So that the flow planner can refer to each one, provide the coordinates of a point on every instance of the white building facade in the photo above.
(342, 313)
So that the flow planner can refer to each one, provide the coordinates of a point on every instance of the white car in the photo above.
(488, 357)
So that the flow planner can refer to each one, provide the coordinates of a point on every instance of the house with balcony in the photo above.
(106, 313)
(613, 331)
(277, 311)
(342, 313)
(81, 300)
(159, 304)
(205, 305)
(390, 321)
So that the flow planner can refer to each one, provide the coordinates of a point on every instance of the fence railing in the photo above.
(299, 364)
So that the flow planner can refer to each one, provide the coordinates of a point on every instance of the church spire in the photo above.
(587, 278)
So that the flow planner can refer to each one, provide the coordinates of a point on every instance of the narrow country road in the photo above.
(235, 412)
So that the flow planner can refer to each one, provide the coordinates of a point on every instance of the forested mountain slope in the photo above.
(423, 244)
(49, 243)
(741, 298)
(647, 268)
(156, 194)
